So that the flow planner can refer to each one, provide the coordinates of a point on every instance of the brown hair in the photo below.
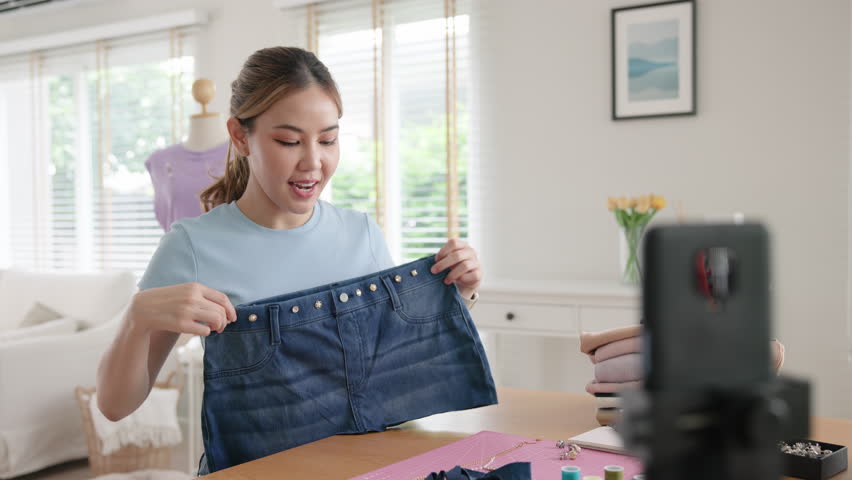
(267, 76)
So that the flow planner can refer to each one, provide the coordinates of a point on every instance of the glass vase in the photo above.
(630, 236)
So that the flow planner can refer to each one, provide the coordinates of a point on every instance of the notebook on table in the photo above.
(605, 439)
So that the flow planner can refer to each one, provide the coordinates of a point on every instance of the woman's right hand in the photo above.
(184, 308)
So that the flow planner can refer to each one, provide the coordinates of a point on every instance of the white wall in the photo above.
(771, 139)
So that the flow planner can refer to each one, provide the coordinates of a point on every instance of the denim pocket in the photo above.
(428, 302)
(237, 352)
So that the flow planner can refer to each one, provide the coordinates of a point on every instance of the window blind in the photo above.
(95, 113)
(403, 69)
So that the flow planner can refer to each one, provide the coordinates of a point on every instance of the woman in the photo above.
(266, 230)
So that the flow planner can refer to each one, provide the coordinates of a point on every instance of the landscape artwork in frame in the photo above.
(653, 60)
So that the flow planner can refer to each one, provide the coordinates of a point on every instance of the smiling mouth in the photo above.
(305, 186)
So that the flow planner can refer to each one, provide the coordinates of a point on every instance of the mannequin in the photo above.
(181, 172)
(206, 129)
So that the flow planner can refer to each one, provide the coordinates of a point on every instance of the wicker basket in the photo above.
(127, 458)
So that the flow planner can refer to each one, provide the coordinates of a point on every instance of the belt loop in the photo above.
(392, 292)
(332, 302)
(274, 329)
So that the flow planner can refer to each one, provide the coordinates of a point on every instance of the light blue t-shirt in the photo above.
(226, 251)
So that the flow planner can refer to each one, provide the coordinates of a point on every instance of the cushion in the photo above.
(39, 313)
(95, 297)
(62, 326)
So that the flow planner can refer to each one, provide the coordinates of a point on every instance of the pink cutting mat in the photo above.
(475, 451)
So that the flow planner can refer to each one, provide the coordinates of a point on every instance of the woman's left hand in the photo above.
(464, 266)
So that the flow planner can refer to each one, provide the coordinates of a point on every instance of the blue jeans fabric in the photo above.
(349, 357)
(510, 471)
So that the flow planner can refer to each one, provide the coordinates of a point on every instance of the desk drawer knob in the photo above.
(510, 316)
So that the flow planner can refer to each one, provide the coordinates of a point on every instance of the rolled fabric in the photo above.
(594, 387)
(590, 341)
(607, 416)
(617, 348)
(777, 354)
(609, 402)
(606, 341)
(623, 368)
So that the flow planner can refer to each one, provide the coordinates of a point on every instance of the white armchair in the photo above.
(40, 422)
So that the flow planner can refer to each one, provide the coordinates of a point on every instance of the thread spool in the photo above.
(570, 472)
(613, 472)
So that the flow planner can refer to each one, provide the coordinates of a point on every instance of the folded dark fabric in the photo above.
(511, 471)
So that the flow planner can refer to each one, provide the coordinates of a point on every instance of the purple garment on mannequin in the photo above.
(179, 176)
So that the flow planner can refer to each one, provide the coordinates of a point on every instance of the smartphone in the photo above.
(706, 307)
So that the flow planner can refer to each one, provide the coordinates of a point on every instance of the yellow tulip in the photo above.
(622, 203)
(633, 202)
(658, 202)
(611, 203)
(643, 204)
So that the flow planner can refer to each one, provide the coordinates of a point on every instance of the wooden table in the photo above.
(539, 414)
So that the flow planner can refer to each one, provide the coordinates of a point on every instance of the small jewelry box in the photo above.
(820, 468)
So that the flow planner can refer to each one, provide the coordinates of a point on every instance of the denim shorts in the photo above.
(349, 357)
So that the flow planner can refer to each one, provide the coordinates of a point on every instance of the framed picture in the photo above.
(653, 60)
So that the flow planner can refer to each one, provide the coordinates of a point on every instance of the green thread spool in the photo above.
(613, 472)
